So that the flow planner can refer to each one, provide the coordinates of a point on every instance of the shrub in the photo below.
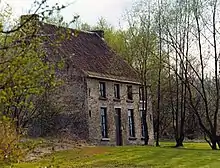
(10, 150)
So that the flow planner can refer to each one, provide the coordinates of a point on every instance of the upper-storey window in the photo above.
(129, 92)
(102, 89)
(117, 91)
(141, 93)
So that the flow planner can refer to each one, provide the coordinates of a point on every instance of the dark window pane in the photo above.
(141, 93)
(117, 91)
(102, 89)
(90, 113)
(89, 92)
(142, 124)
(129, 92)
(131, 123)
(104, 122)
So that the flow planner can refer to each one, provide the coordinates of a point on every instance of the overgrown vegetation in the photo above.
(10, 150)
(25, 76)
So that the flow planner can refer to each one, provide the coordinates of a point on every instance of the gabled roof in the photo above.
(90, 53)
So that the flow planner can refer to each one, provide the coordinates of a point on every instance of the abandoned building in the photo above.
(100, 93)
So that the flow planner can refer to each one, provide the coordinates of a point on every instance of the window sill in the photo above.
(132, 138)
(117, 100)
(103, 98)
(129, 101)
(105, 139)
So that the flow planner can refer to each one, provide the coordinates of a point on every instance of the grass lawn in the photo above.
(193, 155)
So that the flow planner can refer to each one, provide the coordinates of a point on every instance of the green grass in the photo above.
(192, 155)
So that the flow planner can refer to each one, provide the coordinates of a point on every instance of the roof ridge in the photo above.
(57, 26)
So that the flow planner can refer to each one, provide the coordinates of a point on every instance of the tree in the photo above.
(198, 91)
(57, 19)
(211, 105)
(24, 71)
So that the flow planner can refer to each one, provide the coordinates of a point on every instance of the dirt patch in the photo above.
(52, 146)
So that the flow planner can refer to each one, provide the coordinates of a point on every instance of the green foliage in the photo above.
(25, 72)
(25, 75)
(10, 150)
(57, 19)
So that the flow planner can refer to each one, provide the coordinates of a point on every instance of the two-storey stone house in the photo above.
(100, 93)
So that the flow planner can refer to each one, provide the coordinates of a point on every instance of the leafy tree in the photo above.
(25, 73)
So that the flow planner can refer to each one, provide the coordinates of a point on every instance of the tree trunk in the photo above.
(159, 76)
(179, 142)
(214, 145)
(144, 108)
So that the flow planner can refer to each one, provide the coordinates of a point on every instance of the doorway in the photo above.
(119, 141)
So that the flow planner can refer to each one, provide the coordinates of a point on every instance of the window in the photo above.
(102, 89)
(129, 91)
(142, 124)
(104, 122)
(117, 91)
(131, 122)
(89, 92)
(90, 113)
(141, 93)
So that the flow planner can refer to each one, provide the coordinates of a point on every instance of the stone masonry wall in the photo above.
(72, 98)
(94, 105)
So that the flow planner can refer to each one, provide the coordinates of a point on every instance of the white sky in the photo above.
(89, 10)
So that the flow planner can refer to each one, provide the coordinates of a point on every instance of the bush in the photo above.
(10, 150)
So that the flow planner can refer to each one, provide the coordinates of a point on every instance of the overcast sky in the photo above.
(89, 10)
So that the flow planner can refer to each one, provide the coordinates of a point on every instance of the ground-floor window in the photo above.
(131, 123)
(142, 123)
(104, 122)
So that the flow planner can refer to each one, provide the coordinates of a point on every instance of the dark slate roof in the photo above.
(90, 53)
